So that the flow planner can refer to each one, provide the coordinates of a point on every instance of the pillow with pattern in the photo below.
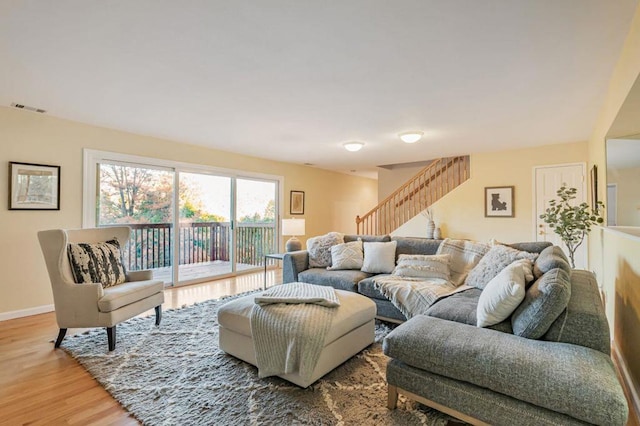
(424, 266)
(319, 249)
(347, 256)
(497, 258)
(97, 263)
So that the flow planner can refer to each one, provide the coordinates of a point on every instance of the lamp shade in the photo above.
(293, 227)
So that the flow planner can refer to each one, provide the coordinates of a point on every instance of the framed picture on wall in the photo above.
(594, 187)
(296, 202)
(498, 201)
(34, 186)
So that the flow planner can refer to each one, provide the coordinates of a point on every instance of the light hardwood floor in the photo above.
(43, 386)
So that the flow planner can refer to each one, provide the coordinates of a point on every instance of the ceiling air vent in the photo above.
(28, 108)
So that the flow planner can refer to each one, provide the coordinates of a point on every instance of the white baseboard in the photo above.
(631, 387)
(5, 316)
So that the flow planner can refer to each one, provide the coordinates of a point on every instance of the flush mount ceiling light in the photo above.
(353, 146)
(411, 137)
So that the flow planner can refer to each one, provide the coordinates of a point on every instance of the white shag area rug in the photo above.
(176, 374)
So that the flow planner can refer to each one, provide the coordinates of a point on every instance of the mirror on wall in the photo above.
(623, 165)
(623, 181)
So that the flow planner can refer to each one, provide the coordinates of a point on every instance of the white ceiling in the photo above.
(293, 80)
(623, 153)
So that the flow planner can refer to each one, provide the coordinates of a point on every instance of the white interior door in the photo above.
(612, 204)
(548, 179)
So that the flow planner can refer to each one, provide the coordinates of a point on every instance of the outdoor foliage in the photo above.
(571, 222)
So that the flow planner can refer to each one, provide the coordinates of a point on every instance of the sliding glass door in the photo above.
(206, 223)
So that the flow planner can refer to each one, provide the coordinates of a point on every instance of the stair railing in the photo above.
(429, 185)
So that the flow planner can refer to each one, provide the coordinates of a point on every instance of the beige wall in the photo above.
(460, 214)
(390, 179)
(628, 198)
(332, 199)
(612, 260)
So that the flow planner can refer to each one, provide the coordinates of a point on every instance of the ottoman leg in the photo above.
(392, 399)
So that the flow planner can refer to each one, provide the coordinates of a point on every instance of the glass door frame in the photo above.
(90, 185)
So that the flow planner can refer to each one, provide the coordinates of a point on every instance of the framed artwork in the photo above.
(34, 186)
(594, 187)
(498, 201)
(296, 202)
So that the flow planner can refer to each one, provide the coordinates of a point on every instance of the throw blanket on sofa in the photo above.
(413, 296)
(289, 324)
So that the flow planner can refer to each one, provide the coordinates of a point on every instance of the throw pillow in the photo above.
(496, 259)
(551, 258)
(96, 263)
(503, 293)
(347, 256)
(464, 256)
(542, 304)
(319, 249)
(379, 258)
(423, 266)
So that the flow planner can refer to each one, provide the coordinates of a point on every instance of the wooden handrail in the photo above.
(425, 188)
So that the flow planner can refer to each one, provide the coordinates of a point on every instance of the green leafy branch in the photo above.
(571, 222)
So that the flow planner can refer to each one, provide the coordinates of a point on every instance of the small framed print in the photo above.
(296, 204)
(498, 201)
(594, 187)
(34, 186)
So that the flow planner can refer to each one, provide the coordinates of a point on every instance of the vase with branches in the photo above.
(572, 222)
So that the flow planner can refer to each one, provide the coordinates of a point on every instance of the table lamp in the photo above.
(293, 227)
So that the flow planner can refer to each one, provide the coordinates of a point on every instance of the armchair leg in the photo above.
(61, 334)
(392, 398)
(111, 337)
(158, 314)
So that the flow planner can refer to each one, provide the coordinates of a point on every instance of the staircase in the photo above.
(429, 185)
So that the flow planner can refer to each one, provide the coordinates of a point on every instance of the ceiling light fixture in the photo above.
(353, 146)
(411, 137)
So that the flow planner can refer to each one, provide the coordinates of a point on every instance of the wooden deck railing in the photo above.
(150, 244)
(418, 193)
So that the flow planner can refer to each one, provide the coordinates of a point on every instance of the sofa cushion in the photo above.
(543, 303)
(495, 260)
(367, 238)
(503, 293)
(117, 296)
(319, 249)
(411, 245)
(583, 322)
(551, 258)
(531, 246)
(96, 263)
(379, 258)
(341, 280)
(347, 256)
(462, 307)
(566, 378)
(465, 255)
(423, 266)
(367, 287)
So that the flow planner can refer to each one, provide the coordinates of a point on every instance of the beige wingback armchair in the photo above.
(90, 305)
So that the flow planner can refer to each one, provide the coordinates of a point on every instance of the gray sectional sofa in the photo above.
(490, 375)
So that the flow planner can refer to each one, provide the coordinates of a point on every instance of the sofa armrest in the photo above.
(562, 377)
(292, 264)
(140, 275)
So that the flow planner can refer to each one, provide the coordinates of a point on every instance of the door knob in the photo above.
(541, 232)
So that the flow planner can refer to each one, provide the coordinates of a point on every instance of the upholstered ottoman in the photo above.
(351, 331)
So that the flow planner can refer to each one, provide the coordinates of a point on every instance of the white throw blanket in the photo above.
(289, 325)
(413, 296)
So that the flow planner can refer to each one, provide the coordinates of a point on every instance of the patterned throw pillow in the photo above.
(464, 256)
(424, 266)
(319, 249)
(496, 259)
(97, 263)
(347, 256)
